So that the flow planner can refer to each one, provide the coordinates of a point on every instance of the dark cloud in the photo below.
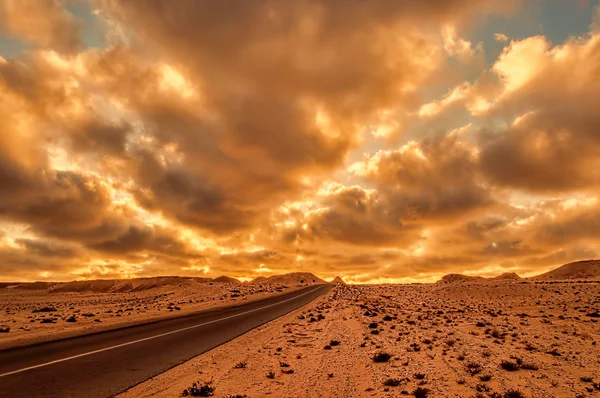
(137, 239)
(435, 179)
(49, 249)
(554, 144)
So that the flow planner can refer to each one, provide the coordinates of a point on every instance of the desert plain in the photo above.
(461, 337)
(38, 312)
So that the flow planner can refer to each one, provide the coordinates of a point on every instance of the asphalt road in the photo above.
(105, 364)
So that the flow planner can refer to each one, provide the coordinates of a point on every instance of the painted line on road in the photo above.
(152, 337)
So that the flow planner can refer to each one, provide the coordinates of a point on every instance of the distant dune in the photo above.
(579, 270)
(123, 285)
(294, 278)
(508, 276)
(589, 269)
(226, 279)
(140, 284)
(259, 280)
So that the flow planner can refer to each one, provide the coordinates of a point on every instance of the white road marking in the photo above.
(151, 337)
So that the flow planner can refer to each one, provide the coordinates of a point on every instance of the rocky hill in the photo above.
(508, 276)
(589, 269)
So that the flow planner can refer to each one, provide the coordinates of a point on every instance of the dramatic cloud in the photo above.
(434, 179)
(552, 91)
(257, 137)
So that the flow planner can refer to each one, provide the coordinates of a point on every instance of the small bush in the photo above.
(473, 368)
(381, 357)
(197, 390)
(509, 366)
(513, 394)
(482, 388)
(392, 382)
(420, 392)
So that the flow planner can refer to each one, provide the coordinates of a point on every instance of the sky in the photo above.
(383, 141)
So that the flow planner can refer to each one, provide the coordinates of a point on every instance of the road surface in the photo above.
(105, 364)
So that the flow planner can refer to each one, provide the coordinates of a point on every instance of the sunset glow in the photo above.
(381, 141)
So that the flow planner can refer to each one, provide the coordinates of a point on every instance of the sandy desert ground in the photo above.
(32, 315)
(488, 339)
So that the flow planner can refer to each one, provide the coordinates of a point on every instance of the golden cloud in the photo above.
(222, 139)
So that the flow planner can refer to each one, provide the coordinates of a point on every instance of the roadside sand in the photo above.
(40, 315)
(449, 339)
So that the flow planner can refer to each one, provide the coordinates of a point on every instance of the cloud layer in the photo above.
(267, 136)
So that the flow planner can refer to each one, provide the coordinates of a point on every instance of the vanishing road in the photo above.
(105, 364)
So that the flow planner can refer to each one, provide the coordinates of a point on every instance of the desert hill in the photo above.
(226, 279)
(293, 278)
(123, 285)
(589, 269)
(460, 278)
(141, 284)
(259, 280)
(508, 276)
